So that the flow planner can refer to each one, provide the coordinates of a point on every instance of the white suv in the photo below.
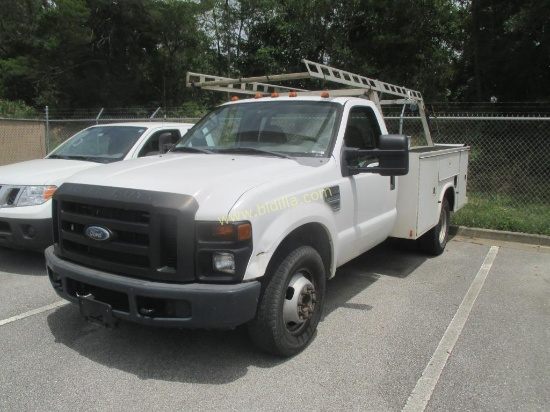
(26, 187)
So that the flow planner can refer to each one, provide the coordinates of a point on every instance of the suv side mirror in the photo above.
(390, 159)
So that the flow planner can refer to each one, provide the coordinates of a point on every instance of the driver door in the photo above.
(368, 199)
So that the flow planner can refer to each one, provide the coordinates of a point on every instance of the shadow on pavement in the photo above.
(212, 357)
(22, 262)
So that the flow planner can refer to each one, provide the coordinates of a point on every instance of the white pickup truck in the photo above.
(26, 187)
(248, 216)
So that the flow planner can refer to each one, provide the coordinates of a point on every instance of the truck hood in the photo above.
(42, 171)
(215, 181)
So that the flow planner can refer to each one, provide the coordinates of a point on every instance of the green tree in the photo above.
(406, 42)
(40, 44)
(90, 53)
(399, 41)
(180, 47)
(506, 53)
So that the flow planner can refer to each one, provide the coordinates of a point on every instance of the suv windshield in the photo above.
(103, 144)
(295, 128)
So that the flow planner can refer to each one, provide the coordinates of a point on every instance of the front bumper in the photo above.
(192, 305)
(29, 234)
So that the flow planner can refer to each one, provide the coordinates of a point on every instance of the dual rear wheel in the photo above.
(435, 240)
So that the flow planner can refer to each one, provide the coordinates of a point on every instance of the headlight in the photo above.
(35, 195)
(223, 251)
(224, 262)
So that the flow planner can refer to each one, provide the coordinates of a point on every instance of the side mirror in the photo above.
(390, 159)
(167, 147)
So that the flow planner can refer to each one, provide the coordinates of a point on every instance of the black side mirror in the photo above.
(392, 157)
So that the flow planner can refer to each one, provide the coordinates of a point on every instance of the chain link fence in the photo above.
(509, 155)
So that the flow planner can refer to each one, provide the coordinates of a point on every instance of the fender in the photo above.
(290, 219)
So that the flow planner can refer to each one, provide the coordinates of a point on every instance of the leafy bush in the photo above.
(16, 109)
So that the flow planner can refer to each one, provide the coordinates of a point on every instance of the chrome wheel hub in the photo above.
(300, 301)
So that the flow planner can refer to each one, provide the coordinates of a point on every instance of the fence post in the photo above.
(47, 137)
(401, 119)
(154, 114)
(98, 116)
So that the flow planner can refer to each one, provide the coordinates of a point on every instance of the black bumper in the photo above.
(154, 303)
(35, 235)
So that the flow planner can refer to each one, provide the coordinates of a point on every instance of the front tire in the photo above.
(291, 304)
(435, 240)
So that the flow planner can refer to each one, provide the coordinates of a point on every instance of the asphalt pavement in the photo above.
(401, 331)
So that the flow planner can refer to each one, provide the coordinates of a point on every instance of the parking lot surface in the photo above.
(465, 331)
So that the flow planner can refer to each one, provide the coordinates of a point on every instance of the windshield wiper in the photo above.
(251, 150)
(74, 157)
(190, 149)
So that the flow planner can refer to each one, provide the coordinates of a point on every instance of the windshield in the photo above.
(294, 128)
(103, 144)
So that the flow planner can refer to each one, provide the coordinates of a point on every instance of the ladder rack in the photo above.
(359, 86)
(226, 84)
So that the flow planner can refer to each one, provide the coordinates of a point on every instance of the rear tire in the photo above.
(435, 240)
(291, 304)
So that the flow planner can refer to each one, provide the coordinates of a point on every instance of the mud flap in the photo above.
(96, 312)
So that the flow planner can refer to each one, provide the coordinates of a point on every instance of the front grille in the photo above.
(111, 213)
(169, 242)
(106, 255)
(150, 237)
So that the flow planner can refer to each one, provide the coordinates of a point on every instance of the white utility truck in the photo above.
(26, 187)
(254, 209)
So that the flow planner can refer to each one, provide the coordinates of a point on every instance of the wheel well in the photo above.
(310, 234)
(450, 196)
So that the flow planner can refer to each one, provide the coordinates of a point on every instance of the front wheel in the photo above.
(291, 304)
(435, 240)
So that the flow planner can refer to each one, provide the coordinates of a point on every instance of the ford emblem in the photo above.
(98, 233)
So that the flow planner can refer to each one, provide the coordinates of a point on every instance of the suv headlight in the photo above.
(35, 195)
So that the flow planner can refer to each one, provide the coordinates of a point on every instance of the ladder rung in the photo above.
(322, 71)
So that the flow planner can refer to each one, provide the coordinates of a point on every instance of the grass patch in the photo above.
(504, 213)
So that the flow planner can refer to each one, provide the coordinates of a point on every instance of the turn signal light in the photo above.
(48, 192)
(231, 232)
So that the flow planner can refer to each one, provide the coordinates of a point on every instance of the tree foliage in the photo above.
(506, 52)
(113, 53)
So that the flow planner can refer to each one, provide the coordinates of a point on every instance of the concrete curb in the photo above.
(502, 236)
